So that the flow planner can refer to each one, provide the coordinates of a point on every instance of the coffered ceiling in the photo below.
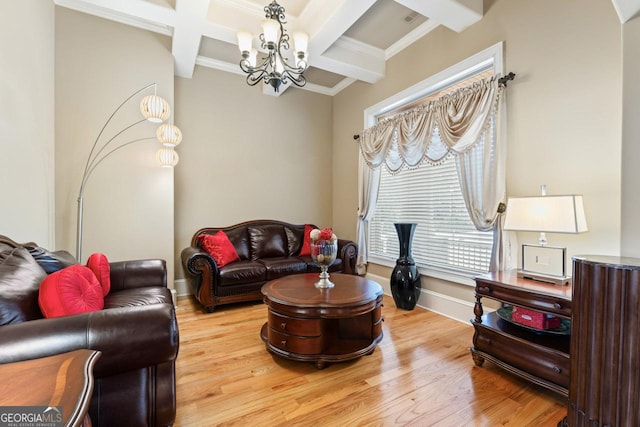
(349, 40)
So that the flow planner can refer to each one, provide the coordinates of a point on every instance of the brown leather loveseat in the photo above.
(268, 249)
(136, 332)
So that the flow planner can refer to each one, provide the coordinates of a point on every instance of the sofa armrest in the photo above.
(138, 273)
(348, 252)
(129, 337)
(201, 272)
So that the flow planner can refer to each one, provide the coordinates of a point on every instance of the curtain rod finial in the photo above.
(502, 81)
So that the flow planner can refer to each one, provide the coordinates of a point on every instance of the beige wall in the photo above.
(564, 110)
(27, 121)
(129, 198)
(630, 138)
(250, 156)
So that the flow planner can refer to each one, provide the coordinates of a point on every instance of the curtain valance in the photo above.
(453, 123)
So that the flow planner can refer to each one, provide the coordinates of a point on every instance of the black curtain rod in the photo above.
(502, 81)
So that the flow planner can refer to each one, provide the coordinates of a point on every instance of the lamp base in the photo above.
(555, 280)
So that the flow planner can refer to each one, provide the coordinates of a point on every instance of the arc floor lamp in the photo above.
(154, 109)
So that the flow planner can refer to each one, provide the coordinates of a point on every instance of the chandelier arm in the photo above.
(252, 81)
(109, 120)
(298, 80)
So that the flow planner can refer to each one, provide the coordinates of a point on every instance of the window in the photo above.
(445, 242)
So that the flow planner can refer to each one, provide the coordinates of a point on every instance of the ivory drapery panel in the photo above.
(456, 124)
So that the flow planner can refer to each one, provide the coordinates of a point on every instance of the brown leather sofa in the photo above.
(136, 332)
(268, 249)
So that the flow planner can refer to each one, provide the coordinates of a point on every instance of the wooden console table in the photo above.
(322, 325)
(64, 380)
(541, 357)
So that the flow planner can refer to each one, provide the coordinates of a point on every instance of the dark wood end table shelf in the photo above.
(322, 325)
(537, 356)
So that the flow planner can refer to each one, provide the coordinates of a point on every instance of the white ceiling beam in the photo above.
(326, 20)
(157, 16)
(454, 14)
(626, 9)
(187, 33)
(353, 59)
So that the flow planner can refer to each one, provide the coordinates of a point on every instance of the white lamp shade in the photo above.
(549, 214)
(167, 157)
(245, 41)
(270, 29)
(155, 109)
(301, 41)
(169, 135)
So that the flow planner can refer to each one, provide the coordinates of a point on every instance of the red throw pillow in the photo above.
(220, 248)
(72, 290)
(99, 264)
(306, 242)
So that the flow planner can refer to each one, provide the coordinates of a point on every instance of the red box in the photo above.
(534, 319)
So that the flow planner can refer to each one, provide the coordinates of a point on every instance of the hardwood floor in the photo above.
(421, 374)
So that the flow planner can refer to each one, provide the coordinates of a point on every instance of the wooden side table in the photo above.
(64, 380)
(322, 325)
(541, 357)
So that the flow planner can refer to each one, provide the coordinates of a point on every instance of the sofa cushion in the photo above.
(20, 277)
(242, 272)
(294, 240)
(283, 266)
(136, 297)
(72, 290)
(220, 248)
(99, 264)
(240, 240)
(267, 241)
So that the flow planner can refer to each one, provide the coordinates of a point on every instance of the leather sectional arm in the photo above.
(138, 273)
(128, 337)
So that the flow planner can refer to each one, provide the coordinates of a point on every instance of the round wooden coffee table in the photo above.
(322, 325)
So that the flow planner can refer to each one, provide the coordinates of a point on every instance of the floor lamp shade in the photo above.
(167, 157)
(169, 135)
(154, 108)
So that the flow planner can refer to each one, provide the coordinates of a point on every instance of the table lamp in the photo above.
(545, 214)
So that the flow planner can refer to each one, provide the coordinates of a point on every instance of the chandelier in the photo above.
(274, 69)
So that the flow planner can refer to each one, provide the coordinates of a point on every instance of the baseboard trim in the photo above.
(181, 287)
(445, 305)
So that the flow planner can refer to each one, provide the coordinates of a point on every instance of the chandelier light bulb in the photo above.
(270, 29)
(245, 40)
(301, 42)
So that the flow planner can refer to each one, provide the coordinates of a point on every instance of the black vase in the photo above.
(405, 278)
